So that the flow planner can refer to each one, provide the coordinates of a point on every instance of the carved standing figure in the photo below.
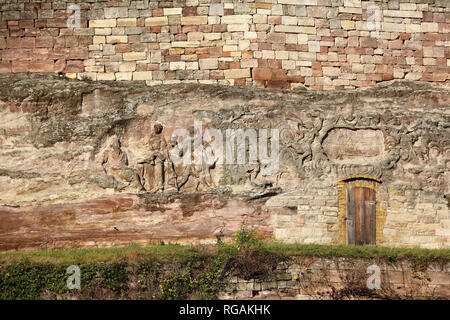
(153, 172)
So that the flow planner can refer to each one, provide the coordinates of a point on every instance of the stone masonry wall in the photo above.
(416, 216)
(320, 44)
(342, 278)
(413, 217)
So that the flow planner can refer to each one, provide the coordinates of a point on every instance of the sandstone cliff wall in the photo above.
(73, 168)
(320, 44)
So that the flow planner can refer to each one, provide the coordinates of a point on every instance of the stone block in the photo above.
(413, 76)
(116, 39)
(127, 66)
(172, 11)
(208, 64)
(148, 37)
(237, 19)
(227, 48)
(413, 45)
(302, 39)
(348, 25)
(350, 10)
(317, 12)
(237, 73)
(288, 65)
(195, 36)
(116, 12)
(194, 20)
(249, 63)
(43, 42)
(288, 20)
(357, 68)
(403, 14)
(178, 65)
(192, 65)
(108, 76)
(156, 21)
(142, 75)
(442, 77)
(133, 56)
(83, 32)
(295, 29)
(282, 55)
(352, 3)
(133, 30)
(97, 40)
(102, 31)
(269, 74)
(238, 27)
(267, 285)
(367, 42)
(45, 14)
(126, 22)
(216, 9)
(313, 46)
(393, 27)
(242, 286)
(174, 20)
(305, 72)
(413, 28)
(306, 21)
(185, 44)
(105, 23)
(331, 71)
(122, 76)
(244, 45)
(299, 2)
(259, 18)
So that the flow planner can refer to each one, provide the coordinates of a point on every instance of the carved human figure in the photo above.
(171, 177)
(200, 173)
(153, 167)
(115, 163)
(208, 163)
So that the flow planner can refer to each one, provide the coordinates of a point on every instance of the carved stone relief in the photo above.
(89, 157)
(312, 145)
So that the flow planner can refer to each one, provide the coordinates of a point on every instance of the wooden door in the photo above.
(360, 215)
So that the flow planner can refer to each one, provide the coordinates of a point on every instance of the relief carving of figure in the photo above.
(202, 172)
(157, 171)
(115, 163)
(193, 176)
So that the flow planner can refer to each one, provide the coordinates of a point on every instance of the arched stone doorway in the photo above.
(361, 216)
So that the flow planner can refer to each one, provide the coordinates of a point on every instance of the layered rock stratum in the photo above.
(85, 164)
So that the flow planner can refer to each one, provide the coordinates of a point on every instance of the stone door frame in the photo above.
(380, 210)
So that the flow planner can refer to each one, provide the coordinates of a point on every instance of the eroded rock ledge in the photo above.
(78, 164)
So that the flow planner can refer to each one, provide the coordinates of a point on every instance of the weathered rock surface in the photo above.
(88, 164)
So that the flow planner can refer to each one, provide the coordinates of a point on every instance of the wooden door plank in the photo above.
(359, 215)
(362, 216)
(350, 222)
(372, 199)
(367, 215)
